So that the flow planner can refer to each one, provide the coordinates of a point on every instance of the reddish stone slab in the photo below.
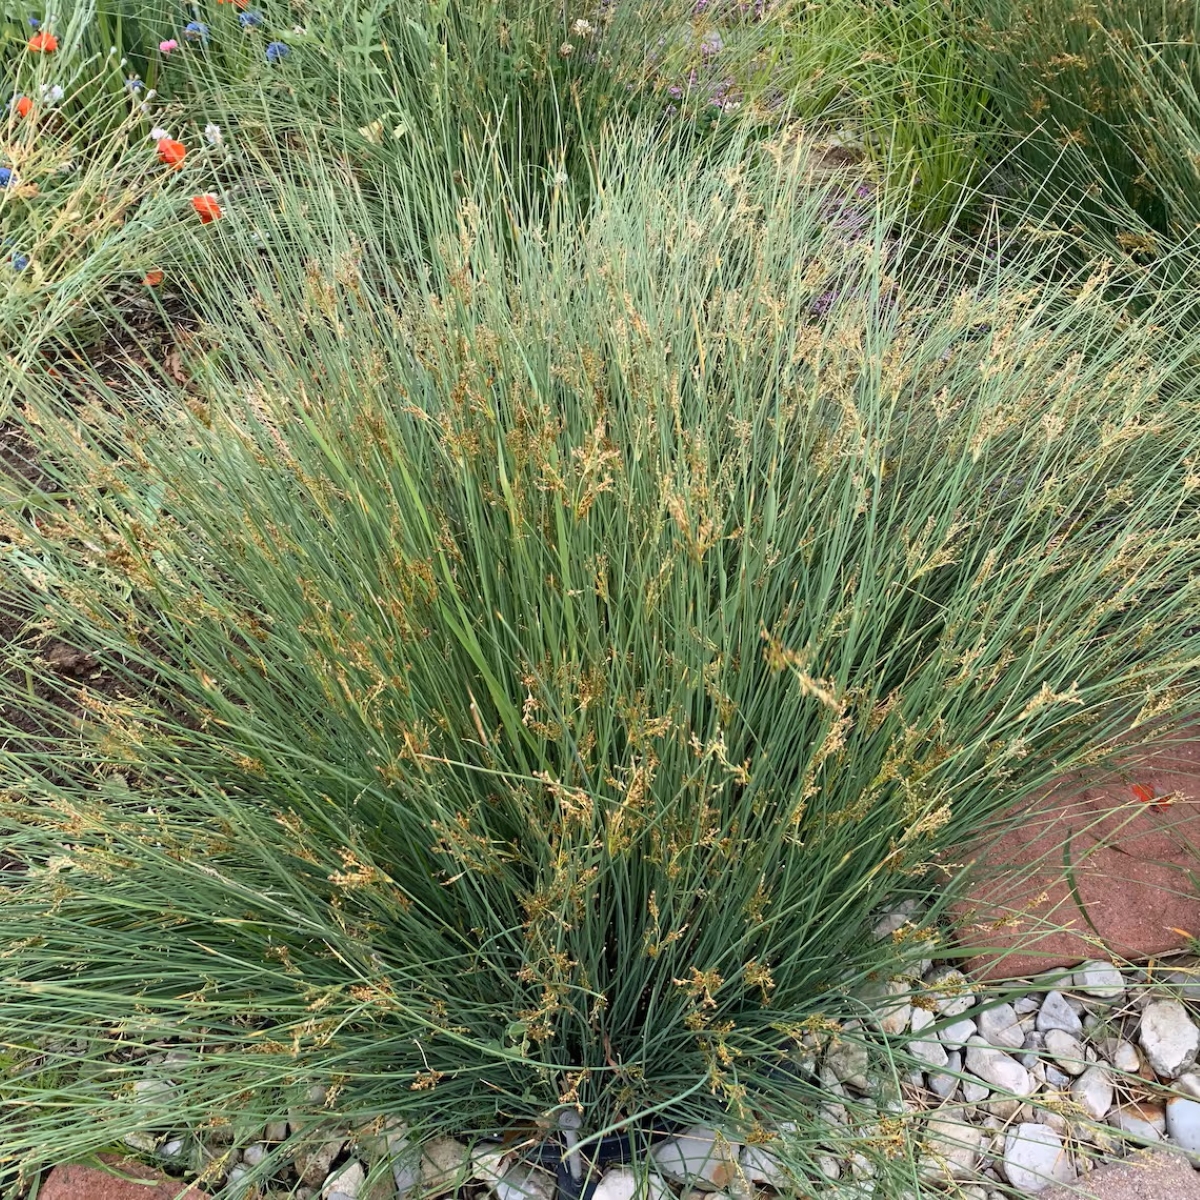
(1149, 1175)
(1135, 870)
(113, 1182)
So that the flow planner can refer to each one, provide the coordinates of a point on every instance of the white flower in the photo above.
(151, 94)
(51, 94)
(583, 28)
(158, 133)
(212, 134)
(561, 178)
(566, 50)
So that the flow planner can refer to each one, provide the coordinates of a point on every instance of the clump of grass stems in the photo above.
(1089, 93)
(529, 672)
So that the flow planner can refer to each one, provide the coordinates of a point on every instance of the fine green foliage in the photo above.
(541, 646)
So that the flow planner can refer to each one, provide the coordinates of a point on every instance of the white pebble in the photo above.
(1093, 1092)
(1100, 979)
(524, 1183)
(698, 1153)
(1140, 1121)
(996, 1068)
(951, 1146)
(1066, 1051)
(893, 1010)
(1034, 1158)
(1189, 1084)
(623, 1183)
(1183, 1122)
(1169, 1037)
(951, 992)
(999, 1026)
(1125, 1057)
(943, 1084)
(956, 1035)
(345, 1183)
(1056, 1013)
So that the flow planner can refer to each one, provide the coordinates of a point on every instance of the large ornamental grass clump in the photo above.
(532, 652)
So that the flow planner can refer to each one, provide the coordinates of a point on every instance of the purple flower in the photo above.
(251, 19)
(19, 262)
(823, 303)
(725, 95)
(845, 219)
(196, 31)
(277, 52)
(6, 176)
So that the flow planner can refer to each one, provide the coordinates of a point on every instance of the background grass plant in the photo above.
(1097, 97)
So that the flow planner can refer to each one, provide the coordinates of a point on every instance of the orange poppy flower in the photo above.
(153, 278)
(1146, 796)
(23, 106)
(171, 153)
(207, 208)
(43, 43)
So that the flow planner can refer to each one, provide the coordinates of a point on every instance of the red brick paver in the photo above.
(1136, 871)
(113, 1182)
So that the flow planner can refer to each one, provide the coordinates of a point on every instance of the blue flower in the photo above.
(250, 20)
(19, 262)
(134, 84)
(196, 31)
(278, 51)
(6, 176)
(34, 22)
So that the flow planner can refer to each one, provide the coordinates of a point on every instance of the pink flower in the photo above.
(169, 45)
